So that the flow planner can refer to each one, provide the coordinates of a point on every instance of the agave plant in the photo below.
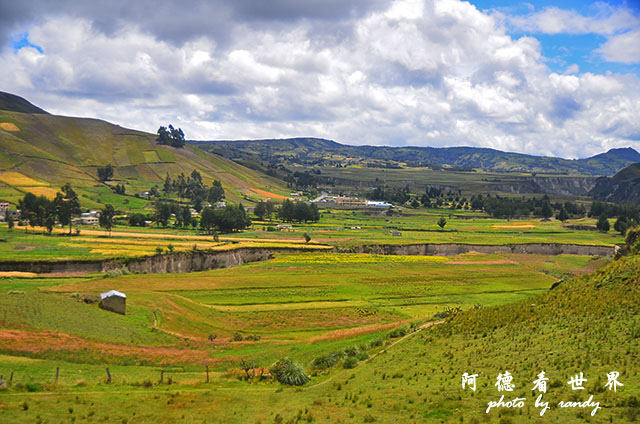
(287, 371)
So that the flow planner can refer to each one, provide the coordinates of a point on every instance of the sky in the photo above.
(554, 78)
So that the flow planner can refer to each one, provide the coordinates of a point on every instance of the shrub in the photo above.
(398, 332)
(326, 361)
(362, 356)
(352, 351)
(350, 362)
(33, 387)
(237, 337)
(289, 372)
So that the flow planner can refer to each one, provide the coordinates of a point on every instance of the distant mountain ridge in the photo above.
(317, 151)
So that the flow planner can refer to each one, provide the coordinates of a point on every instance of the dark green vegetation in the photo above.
(314, 151)
(624, 187)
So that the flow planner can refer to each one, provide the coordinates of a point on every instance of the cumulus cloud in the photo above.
(554, 20)
(437, 73)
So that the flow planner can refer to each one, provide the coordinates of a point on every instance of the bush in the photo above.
(326, 361)
(398, 332)
(237, 337)
(350, 362)
(352, 351)
(33, 387)
(289, 372)
(117, 272)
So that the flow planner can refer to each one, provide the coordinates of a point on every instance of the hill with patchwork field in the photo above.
(40, 152)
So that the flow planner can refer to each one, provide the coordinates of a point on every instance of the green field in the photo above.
(588, 325)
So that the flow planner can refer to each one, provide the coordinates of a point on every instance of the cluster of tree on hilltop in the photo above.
(170, 136)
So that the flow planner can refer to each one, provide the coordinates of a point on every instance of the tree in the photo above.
(106, 218)
(10, 221)
(260, 210)
(547, 212)
(67, 205)
(603, 223)
(215, 192)
(442, 222)
(563, 215)
(207, 220)
(171, 136)
(163, 212)
(105, 173)
(307, 237)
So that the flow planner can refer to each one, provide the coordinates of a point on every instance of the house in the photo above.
(113, 301)
(4, 206)
(396, 233)
(89, 220)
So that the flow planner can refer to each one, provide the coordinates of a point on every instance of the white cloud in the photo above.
(553, 20)
(424, 73)
(623, 48)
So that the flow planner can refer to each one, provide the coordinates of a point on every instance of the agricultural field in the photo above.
(343, 229)
(299, 309)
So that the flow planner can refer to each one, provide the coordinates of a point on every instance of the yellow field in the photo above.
(519, 225)
(17, 179)
(40, 191)
(8, 126)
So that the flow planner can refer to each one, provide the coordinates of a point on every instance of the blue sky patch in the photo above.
(563, 50)
(21, 41)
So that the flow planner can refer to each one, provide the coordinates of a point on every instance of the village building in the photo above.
(113, 301)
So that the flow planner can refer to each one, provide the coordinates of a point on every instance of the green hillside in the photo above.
(315, 151)
(40, 152)
(624, 187)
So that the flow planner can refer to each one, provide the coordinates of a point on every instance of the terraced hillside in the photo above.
(40, 152)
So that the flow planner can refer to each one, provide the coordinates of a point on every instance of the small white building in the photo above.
(113, 301)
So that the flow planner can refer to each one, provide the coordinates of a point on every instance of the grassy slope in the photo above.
(56, 149)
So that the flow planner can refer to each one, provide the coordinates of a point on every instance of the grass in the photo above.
(588, 325)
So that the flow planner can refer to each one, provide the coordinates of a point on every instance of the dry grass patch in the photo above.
(8, 126)
(268, 194)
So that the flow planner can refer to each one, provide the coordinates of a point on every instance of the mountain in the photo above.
(315, 151)
(624, 187)
(39, 152)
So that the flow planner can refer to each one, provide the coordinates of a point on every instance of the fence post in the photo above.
(10, 378)
(57, 374)
(207, 373)
(108, 376)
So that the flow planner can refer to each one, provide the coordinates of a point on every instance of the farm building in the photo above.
(113, 301)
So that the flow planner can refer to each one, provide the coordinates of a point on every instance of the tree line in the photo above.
(39, 211)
